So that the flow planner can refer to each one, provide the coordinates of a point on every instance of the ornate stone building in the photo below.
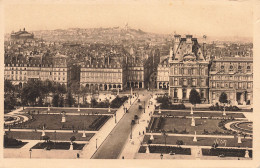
(234, 76)
(102, 76)
(163, 74)
(188, 68)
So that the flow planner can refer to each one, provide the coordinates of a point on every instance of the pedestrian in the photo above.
(139, 133)
(77, 155)
(123, 157)
(143, 132)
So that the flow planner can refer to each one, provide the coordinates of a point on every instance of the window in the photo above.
(202, 94)
(175, 93)
(185, 82)
(213, 95)
(213, 84)
(175, 81)
(248, 68)
(184, 93)
(249, 85)
(239, 84)
(231, 85)
(222, 84)
(193, 82)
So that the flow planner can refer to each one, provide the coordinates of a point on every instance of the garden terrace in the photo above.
(200, 114)
(58, 145)
(201, 141)
(59, 136)
(69, 110)
(73, 122)
(166, 149)
(179, 125)
(226, 152)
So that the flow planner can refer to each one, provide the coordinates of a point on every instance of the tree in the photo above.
(223, 98)
(194, 97)
(70, 100)
(55, 100)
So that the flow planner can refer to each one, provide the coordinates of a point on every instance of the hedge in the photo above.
(226, 152)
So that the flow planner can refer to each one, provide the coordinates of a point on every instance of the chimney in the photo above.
(177, 39)
(188, 38)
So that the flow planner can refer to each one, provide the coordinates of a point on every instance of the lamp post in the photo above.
(30, 153)
(54, 137)
(144, 106)
(115, 117)
(161, 156)
(96, 143)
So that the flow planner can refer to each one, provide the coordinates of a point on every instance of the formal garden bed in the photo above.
(199, 114)
(201, 141)
(166, 149)
(225, 152)
(183, 125)
(13, 143)
(58, 145)
(73, 122)
(58, 135)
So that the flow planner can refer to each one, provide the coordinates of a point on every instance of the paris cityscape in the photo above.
(122, 92)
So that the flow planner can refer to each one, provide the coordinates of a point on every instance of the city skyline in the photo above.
(222, 18)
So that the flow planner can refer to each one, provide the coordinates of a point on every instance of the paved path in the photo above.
(132, 146)
(114, 143)
(96, 141)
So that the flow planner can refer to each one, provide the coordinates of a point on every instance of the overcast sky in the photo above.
(211, 17)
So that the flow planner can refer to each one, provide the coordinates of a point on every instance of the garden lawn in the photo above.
(53, 121)
(59, 136)
(16, 146)
(201, 141)
(58, 145)
(199, 114)
(180, 124)
(165, 149)
(67, 110)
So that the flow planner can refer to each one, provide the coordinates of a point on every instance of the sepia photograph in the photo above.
(145, 80)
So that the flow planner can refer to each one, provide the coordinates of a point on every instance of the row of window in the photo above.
(186, 82)
(100, 80)
(188, 71)
(244, 85)
(91, 74)
(231, 77)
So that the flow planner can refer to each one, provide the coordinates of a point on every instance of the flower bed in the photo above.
(166, 149)
(118, 101)
(13, 143)
(221, 108)
(58, 145)
(225, 152)
(98, 123)
(156, 123)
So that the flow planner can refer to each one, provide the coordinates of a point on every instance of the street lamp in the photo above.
(161, 156)
(54, 137)
(115, 117)
(30, 153)
(96, 143)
